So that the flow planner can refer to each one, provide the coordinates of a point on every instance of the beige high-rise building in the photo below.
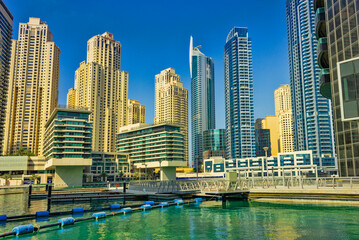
(272, 123)
(171, 102)
(71, 98)
(33, 87)
(283, 110)
(102, 87)
(136, 112)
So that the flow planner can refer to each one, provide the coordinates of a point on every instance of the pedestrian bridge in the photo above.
(253, 185)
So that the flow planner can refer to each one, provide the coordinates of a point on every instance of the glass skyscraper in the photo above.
(312, 115)
(214, 143)
(202, 99)
(239, 94)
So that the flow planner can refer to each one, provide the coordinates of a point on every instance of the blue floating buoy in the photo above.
(28, 228)
(66, 221)
(126, 210)
(115, 206)
(178, 201)
(42, 214)
(198, 199)
(3, 217)
(77, 210)
(150, 203)
(99, 215)
(146, 206)
(163, 204)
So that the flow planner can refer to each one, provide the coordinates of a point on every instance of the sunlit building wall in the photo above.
(33, 87)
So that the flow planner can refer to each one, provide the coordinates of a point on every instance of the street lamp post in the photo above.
(197, 166)
(266, 150)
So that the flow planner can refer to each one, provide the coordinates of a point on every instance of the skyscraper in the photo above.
(5, 51)
(202, 99)
(136, 112)
(71, 98)
(312, 115)
(239, 94)
(103, 88)
(337, 31)
(33, 87)
(171, 102)
(283, 111)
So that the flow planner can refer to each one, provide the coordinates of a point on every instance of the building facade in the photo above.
(263, 142)
(297, 163)
(214, 143)
(202, 100)
(71, 98)
(238, 74)
(67, 145)
(272, 123)
(171, 102)
(338, 56)
(6, 22)
(136, 112)
(312, 114)
(153, 146)
(114, 165)
(33, 87)
(102, 87)
(283, 111)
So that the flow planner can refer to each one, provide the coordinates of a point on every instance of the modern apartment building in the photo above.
(338, 57)
(283, 111)
(214, 143)
(312, 114)
(67, 145)
(33, 87)
(102, 87)
(153, 146)
(6, 22)
(202, 99)
(136, 112)
(171, 102)
(238, 74)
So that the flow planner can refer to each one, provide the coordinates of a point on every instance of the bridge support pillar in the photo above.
(168, 173)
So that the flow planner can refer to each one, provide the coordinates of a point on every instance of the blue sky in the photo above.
(155, 35)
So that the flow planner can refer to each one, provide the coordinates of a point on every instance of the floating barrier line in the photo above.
(29, 228)
(34, 216)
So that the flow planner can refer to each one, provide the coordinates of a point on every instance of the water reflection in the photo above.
(214, 220)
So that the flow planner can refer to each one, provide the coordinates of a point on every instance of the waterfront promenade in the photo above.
(253, 188)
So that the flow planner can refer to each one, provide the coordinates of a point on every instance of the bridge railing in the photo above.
(302, 182)
(244, 184)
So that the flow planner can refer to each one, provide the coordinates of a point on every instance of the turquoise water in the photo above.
(214, 220)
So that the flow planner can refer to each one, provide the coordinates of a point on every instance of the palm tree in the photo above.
(6, 177)
(24, 152)
(103, 176)
(120, 174)
(34, 178)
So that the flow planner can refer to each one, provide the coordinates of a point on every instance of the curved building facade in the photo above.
(202, 100)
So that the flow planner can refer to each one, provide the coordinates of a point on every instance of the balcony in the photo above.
(323, 59)
(320, 29)
(325, 88)
(318, 4)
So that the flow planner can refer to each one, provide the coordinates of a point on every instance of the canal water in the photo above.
(214, 220)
